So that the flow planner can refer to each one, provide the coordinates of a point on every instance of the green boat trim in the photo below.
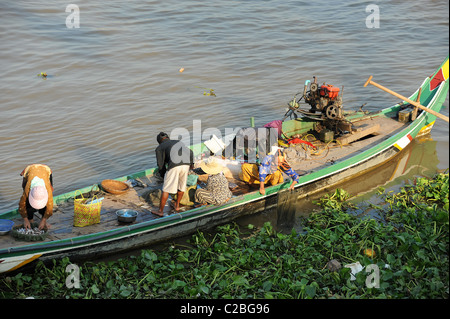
(14, 257)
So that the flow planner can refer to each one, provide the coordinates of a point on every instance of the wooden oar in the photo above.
(443, 117)
(414, 112)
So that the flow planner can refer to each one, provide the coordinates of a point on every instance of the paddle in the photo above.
(443, 117)
(414, 112)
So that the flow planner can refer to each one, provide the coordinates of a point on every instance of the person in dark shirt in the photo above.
(174, 160)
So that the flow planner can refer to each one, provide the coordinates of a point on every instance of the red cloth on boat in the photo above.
(298, 141)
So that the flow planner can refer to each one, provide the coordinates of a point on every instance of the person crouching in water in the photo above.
(269, 171)
(174, 160)
(217, 190)
(37, 195)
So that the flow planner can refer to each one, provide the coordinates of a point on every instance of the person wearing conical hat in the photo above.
(37, 194)
(217, 189)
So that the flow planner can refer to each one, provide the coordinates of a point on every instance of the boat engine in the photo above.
(326, 108)
(325, 99)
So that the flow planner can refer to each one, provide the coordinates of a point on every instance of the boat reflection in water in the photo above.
(417, 160)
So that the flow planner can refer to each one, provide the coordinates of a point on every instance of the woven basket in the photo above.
(28, 237)
(114, 187)
(85, 214)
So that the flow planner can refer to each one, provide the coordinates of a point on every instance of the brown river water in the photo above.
(114, 82)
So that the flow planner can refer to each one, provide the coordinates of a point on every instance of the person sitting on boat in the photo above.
(217, 189)
(269, 171)
(37, 195)
(174, 160)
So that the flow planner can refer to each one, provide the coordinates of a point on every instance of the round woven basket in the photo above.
(28, 237)
(114, 187)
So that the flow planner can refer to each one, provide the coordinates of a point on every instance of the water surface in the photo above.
(114, 83)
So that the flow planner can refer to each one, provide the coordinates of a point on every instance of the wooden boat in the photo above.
(338, 164)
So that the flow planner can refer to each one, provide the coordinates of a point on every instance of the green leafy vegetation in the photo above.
(411, 245)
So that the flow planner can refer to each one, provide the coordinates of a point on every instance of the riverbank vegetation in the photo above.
(406, 248)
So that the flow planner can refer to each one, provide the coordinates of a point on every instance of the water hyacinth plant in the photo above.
(410, 249)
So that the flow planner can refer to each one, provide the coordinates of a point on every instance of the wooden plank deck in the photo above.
(336, 151)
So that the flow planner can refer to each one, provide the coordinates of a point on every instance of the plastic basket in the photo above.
(6, 224)
(86, 214)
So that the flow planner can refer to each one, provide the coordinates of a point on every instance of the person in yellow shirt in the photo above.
(269, 170)
(37, 194)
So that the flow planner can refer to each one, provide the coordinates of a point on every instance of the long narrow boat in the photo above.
(340, 163)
